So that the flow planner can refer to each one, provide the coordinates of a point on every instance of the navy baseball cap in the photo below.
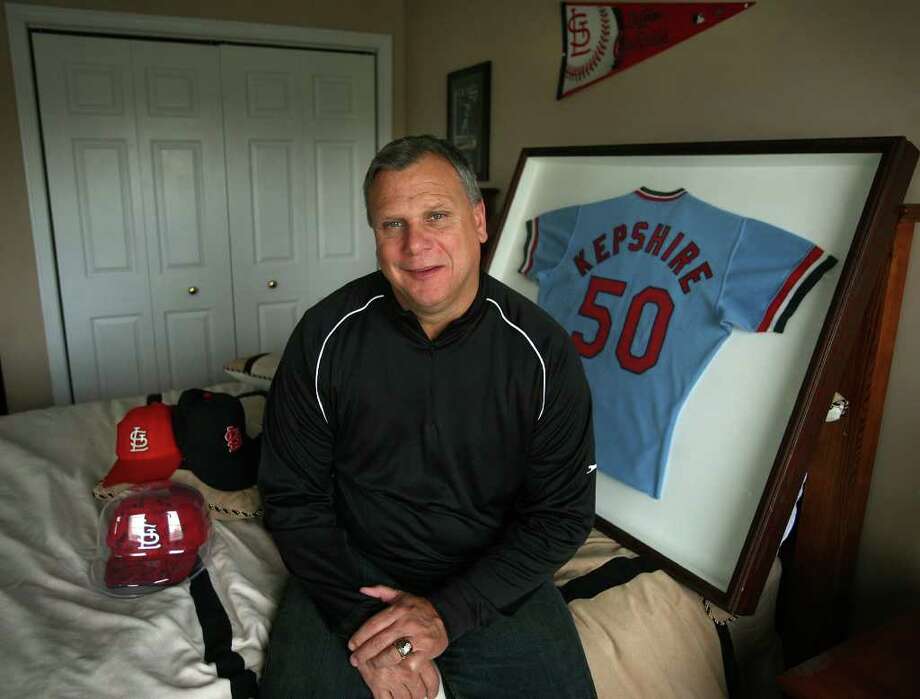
(210, 430)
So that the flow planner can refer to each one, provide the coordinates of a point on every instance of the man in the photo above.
(425, 465)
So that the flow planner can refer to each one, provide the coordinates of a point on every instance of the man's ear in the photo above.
(479, 219)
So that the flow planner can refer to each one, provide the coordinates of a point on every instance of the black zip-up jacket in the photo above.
(459, 466)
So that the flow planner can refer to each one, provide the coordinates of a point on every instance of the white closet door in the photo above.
(86, 96)
(300, 133)
(133, 135)
(180, 132)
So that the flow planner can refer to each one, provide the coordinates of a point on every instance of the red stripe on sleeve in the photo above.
(533, 244)
(787, 286)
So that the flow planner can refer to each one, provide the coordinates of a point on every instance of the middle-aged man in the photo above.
(427, 465)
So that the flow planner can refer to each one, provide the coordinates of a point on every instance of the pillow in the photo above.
(638, 636)
(256, 370)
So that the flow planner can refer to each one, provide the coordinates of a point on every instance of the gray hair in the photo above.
(406, 151)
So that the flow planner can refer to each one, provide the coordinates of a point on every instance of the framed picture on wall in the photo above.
(468, 107)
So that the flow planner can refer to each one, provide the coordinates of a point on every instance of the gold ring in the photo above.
(403, 646)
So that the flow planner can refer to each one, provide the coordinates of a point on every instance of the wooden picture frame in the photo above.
(848, 188)
(469, 105)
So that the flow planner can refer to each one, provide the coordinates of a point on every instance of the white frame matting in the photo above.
(24, 18)
(730, 429)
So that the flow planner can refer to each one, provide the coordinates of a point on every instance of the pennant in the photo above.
(601, 39)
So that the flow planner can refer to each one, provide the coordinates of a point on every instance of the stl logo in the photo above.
(138, 439)
(590, 54)
(234, 438)
(150, 539)
(579, 33)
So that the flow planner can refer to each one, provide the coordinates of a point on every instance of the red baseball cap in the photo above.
(154, 537)
(145, 446)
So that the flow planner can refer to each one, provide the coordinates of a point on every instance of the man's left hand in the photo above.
(407, 616)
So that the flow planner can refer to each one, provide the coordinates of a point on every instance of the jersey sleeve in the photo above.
(546, 241)
(769, 273)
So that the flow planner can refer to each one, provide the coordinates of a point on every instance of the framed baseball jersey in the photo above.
(714, 291)
(649, 285)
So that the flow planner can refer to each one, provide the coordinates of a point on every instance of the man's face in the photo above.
(428, 237)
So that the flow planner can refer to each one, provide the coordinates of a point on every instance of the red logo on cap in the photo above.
(233, 437)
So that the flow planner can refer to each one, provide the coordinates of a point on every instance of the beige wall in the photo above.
(22, 340)
(782, 69)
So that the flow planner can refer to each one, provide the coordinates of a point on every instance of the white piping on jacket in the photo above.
(532, 346)
(319, 358)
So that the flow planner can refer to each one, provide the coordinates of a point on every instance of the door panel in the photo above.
(341, 89)
(117, 355)
(272, 200)
(275, 321)
(183, 170)
(104, 201)
(86, 100)
(299, 136)
(336, 165)
(190, 339)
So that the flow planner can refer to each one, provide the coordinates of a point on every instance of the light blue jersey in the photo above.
(649, 285)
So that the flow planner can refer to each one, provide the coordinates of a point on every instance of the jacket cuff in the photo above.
(455, 612)
(346, 627)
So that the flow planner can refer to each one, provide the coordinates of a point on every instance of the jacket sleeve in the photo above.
(553, 513)
(296, 479)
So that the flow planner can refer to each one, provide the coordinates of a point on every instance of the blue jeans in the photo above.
(531, 651)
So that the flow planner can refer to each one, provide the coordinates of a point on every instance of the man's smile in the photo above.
(423, 273)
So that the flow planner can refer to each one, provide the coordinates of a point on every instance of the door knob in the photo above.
(272, 283)
(192, 290)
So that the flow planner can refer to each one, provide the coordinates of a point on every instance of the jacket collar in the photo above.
(455, 330)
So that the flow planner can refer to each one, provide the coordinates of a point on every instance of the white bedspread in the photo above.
(61, 638)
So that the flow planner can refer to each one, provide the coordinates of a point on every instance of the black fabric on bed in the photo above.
(616, 571)
(218, 637)
(728, 661)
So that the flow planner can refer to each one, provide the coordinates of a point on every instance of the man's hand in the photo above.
(407, 616)
(400, 681)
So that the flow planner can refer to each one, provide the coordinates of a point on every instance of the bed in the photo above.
(648, 636)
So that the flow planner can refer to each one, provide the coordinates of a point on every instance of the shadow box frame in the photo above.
(847, 190)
